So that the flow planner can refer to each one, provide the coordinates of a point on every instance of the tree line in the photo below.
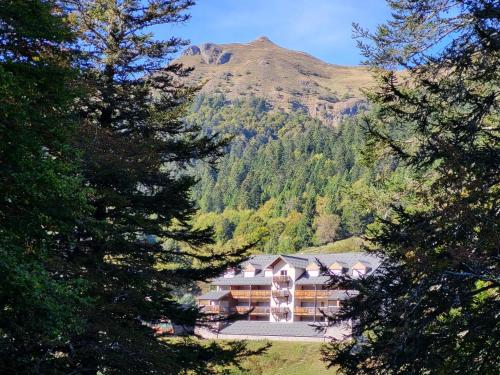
(288, 179)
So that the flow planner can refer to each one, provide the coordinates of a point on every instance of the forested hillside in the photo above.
(287, 179)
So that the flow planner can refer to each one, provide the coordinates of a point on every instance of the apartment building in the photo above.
(285, 288)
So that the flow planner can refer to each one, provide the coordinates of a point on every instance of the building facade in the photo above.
(285, 288)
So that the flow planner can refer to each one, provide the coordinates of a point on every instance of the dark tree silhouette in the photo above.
(433, 306)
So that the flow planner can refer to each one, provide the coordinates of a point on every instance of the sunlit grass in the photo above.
(290, 358)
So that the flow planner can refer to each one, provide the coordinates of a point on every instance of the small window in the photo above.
(337, 272)
(283, 272)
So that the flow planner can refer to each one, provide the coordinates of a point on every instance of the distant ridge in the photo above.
(288, 80)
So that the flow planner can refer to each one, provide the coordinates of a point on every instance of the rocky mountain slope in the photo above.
(288, 80)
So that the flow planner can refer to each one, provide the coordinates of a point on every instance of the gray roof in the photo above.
(239, 279)
(301, 261)
(365, 263)
(215, 295)
(305, 279)
(343, 264)
(343, 294)
(295, 261)
(256, 265)
(260, 328)
(262, 260)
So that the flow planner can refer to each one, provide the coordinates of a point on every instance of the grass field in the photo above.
(342, 246)
(287, 358)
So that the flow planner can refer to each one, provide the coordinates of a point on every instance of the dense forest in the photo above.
(288, 180)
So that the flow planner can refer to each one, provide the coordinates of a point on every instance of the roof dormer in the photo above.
(230, 272)
(251, 269)
(338, 268)
(361, 268)
(313, 269)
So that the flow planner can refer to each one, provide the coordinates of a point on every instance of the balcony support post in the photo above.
(249, 301)
(315, 300)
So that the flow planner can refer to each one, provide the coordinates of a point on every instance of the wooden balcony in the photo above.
(238, 294)
(255, 310)
(280, 311)
(311, 294)
(212, 309)
(281, 279)
(312, 310)
(281, 293)
(261, 293)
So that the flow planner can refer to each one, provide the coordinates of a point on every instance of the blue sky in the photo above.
(321, 28)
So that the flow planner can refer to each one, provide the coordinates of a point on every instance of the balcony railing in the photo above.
(281, 279)
(281, 293)
(254, 310)
(261, 293)
(212, 309)
(313, 293)
(250, 293)
(280, 311)
(315, 310)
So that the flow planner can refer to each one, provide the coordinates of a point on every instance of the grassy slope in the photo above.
(290, 358)
(281, 76)
(342, 246)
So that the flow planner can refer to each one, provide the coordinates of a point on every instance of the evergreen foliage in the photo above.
(286, 178)
(433, 306)
(134, 151)
(42, 199)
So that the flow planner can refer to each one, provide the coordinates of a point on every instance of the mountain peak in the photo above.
(286, 79)
(262, 39)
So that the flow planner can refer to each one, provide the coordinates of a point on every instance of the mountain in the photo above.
(288, 180)
(288, 80)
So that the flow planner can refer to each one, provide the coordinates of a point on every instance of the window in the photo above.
(283, 272)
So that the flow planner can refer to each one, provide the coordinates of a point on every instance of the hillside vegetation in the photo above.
(288, 80)
(287, 180)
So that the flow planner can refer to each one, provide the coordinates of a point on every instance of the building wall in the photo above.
(293, 273)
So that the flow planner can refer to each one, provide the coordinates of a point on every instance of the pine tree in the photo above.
(41, 196)
(135, 151)
(432, 308)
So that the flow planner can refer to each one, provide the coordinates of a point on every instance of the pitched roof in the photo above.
(262, 328)
(362, 262)
(239, 279)
(295, 261)
(305, 279)
(301, 261)
(298, 262)
(251, 265)
(215, 295)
